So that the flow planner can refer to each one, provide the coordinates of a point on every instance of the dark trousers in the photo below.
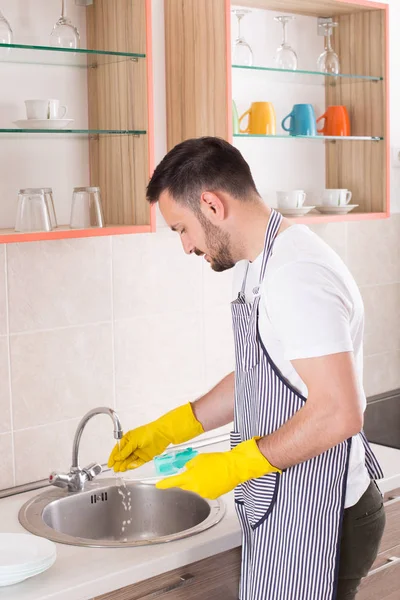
(363, 526)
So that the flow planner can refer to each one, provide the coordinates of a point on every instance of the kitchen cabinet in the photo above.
(117, 139)
(214, 578)
(383, 581)
(202, 82)
(218, 577)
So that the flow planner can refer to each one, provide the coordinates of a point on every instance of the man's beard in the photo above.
(218, 244)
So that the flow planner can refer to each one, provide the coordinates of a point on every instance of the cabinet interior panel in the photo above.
(359, 41)
(196, 69)
(118, 101)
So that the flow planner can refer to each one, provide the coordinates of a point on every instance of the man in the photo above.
(311, 514)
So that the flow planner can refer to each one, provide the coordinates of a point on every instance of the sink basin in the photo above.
(113, 515)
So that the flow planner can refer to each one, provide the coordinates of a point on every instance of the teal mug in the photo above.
(302, 120)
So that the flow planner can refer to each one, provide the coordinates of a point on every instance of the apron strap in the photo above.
(242, 293)
(273, 226)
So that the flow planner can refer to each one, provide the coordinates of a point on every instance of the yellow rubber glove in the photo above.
(140, 445)
(214, 474)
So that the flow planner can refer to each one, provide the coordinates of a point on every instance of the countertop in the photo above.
(83, 573)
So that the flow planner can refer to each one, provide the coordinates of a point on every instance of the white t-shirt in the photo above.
(310, 306)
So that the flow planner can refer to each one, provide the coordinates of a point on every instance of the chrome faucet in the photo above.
(75, 480)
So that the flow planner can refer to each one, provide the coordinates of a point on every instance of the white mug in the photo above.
(293, 199)
(339, 197)
(45, 109)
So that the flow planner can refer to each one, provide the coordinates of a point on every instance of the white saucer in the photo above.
(43, 123)
(295, 212)
(336, 210)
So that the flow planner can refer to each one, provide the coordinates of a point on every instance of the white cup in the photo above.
(45, 109)
(293, 199)
(339, 197)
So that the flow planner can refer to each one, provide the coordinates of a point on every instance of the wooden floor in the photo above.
(383, 583)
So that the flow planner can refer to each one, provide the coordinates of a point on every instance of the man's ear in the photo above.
(213, 207)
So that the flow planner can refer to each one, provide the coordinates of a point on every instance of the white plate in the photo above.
(23, 551)
(43, 123)
(295, 212)
(336, 210)
(32, 568)
(18, 577)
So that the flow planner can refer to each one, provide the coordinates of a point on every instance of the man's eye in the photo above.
(183, 231)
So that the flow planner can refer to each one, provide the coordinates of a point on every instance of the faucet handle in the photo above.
(92, 470)
(60, 479)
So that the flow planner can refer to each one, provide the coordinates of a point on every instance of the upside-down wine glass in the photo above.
(242, 53)
(286, 57)
(328, 61)
(64, 34)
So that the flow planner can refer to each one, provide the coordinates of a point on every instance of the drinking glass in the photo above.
(328, 61)
(6, 35)
(64, 34)
(286, 57)
(32, 212)
(242, 53)
(48, 196)
(86, 209)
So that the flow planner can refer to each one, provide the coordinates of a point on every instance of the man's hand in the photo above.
(214, 474)
(144, 443)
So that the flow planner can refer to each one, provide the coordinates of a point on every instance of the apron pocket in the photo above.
(259, 497)
(251, 355)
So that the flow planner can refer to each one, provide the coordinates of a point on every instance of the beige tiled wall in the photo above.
(132, 323)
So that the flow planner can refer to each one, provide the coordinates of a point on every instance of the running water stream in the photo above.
(125, 495)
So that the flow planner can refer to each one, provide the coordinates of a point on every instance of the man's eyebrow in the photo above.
(175, 227)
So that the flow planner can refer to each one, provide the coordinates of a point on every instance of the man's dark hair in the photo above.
(199, 164)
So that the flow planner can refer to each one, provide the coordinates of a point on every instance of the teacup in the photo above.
(339, 197)
(292, 199)
(45, 109)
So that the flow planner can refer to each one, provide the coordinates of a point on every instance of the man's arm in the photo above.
(332, 413)
(215, 408)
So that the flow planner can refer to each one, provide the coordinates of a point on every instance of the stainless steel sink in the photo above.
(108, 514)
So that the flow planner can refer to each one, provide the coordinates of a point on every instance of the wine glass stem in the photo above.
(239, 27)
(283, 33)
(63, 9)
(328, 45)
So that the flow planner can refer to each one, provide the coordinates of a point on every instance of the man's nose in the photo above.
(187, 246)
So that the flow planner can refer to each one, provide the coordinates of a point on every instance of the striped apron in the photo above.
(291, 522)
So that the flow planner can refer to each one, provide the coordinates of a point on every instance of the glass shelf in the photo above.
(325, 138)
(67, 57)
(72, 132)
(308, 77)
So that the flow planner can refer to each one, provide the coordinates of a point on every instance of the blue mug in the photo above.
(302, 120)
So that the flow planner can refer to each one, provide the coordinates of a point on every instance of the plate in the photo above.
(14, 578)
(43, 123)
(21, 551)
(336, 210)
(295, 212)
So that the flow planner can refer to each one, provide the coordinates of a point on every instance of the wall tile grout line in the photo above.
(114, 384)
(13, 460)
(394, 351)
(377, 285)
(203, 328)
(60, 328)
(67, 420)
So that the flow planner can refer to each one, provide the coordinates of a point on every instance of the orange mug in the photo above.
(262, 119)
(336, 122)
